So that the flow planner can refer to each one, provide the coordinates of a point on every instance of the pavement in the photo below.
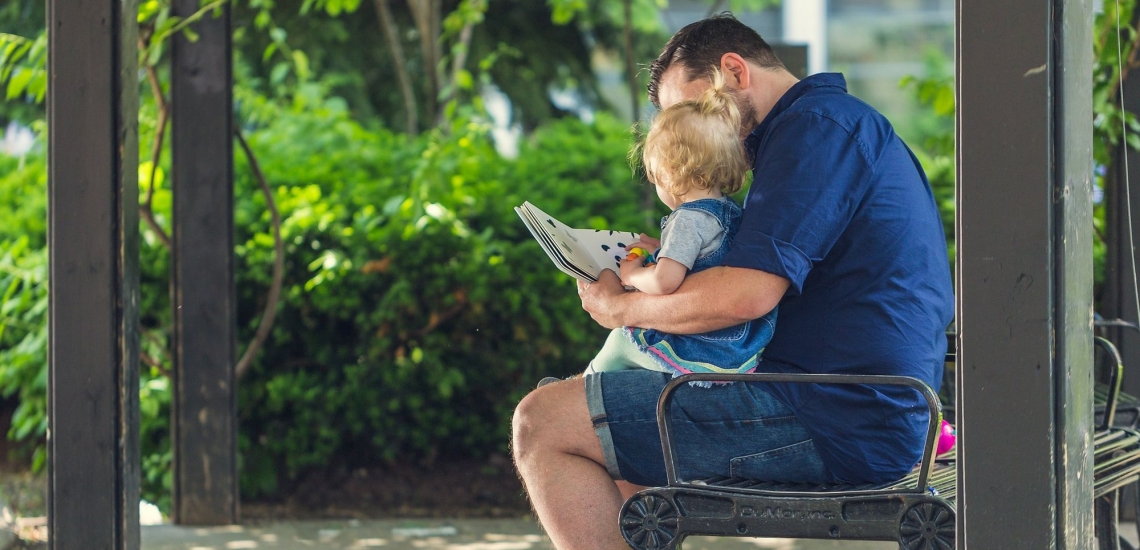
(475, 534)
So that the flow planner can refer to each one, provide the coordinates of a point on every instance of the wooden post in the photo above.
(204, 404)
(93, 224)
(1024, 274)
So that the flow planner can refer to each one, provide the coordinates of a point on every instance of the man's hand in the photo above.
(602, 299)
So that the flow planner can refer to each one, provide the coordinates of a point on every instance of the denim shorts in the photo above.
(736, 430)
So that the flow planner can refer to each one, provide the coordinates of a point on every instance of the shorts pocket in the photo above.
(798, 462)
(729, 334)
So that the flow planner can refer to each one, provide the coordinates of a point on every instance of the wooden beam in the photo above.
(1024, 274)
(92, 111)
(204, 405)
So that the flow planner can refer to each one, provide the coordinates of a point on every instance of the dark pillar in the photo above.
(204, 405)
(1024, 274)
(93, 380)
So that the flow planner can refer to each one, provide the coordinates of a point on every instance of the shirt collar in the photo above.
(800, 89)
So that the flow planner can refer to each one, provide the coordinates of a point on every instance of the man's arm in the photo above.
(708, 300)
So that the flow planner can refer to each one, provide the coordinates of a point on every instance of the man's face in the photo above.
(674, 88)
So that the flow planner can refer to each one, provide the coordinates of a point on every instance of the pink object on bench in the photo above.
(947, 437)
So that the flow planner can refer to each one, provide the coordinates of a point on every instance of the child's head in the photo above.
(695, 145)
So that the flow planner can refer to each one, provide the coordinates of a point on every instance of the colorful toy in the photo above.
(637, 252)
(947, 437)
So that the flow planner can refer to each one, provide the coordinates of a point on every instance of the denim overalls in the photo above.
(735, 349)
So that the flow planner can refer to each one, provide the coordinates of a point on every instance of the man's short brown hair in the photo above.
(699, 46)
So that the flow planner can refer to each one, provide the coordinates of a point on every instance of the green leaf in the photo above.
(301, 64)
(278, 74)
(262, 20)
(17, 84)
(39, 459)
(464, 80)
(155, 54)
(564, 11)
(944, 102)
(269, 51)
(190, 34)
(147, 10)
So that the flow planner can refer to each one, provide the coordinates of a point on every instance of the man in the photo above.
(841, 231)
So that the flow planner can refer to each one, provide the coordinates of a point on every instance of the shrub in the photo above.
(416, 309)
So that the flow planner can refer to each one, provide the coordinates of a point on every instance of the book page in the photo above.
(607, 247)
(549, 246)
(581, 253)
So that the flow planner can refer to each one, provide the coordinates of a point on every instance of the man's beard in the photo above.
(747, 113)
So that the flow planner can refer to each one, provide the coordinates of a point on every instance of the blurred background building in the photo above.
(874, 43)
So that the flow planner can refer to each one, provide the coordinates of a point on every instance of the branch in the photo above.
(190, 19)
(391, 35)
(155, 151)
(1131, 56)
(151, 362)
(630, 65)
(649, 195)
(437, 319)
(422, 13)
(270, 312)
(461, 49)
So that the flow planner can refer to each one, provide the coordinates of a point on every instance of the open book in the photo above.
(580, 253)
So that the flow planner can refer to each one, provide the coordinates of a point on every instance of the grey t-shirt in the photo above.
(689, 235)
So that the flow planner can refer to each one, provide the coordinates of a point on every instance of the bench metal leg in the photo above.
(1108, 538)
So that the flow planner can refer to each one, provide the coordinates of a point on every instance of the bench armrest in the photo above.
(1115, 377)
(935, 407)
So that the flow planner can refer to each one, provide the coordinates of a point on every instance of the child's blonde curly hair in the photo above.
(695, 144)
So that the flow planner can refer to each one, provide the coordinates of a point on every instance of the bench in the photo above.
(1126, 407)
(917, 511)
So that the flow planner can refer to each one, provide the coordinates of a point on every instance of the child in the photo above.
(693, 155)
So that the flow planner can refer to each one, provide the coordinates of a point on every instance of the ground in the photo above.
(447, 489)
(484, 490)
(460, 489)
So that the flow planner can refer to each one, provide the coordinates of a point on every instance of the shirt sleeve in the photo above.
(686, 234)
(809, 177)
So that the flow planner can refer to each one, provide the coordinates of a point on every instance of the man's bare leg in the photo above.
(560, 461)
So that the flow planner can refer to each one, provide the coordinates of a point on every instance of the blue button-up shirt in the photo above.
(840, 207)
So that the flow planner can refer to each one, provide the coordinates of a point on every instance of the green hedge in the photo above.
(416, 309)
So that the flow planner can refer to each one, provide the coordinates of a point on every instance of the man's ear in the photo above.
(735, 70)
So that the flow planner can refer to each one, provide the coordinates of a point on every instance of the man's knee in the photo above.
(525, 423)
(552, 418)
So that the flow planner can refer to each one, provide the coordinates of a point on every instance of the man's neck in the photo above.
(768, 86)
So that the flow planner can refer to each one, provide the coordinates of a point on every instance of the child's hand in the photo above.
(646, 242)
(629, 267)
